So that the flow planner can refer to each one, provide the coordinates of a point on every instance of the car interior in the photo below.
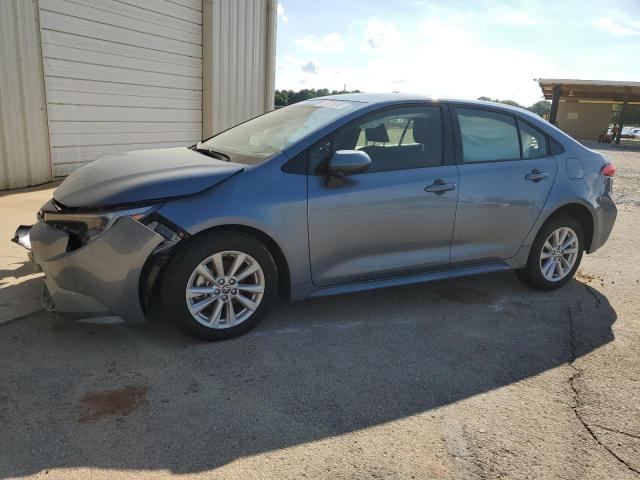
(419, 144)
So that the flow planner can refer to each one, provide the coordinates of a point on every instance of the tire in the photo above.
(533, 274)
(192, 279)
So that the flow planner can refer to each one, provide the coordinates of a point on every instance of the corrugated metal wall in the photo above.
(239, 61)
(120, 75)
(24, 144)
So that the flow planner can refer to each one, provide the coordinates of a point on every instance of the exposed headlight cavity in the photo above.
(85, 227)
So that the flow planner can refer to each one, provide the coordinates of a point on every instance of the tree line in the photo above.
(542, 108)
(289, 97)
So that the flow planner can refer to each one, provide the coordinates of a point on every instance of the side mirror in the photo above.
(349, 162)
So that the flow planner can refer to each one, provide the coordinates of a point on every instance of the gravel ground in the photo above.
(473, 378)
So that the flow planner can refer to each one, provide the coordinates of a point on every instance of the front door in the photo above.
(394, 219)
(506, 174)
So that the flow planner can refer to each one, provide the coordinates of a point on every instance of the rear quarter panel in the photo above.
(579, 182)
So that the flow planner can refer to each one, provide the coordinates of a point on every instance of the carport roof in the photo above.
(607, 90)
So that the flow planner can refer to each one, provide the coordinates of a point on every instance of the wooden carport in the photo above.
(590, 90)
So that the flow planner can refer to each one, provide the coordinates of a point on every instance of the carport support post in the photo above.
(555, 101)
(623, 111)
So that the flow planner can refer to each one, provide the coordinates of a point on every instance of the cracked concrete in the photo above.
(578, 372)
(474, 378)
(589, 428)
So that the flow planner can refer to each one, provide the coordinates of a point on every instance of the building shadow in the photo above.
(20, 288)
(148, 397)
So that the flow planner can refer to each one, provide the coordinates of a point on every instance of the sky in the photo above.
(455, 49)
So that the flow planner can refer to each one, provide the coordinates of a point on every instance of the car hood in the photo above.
(142, 176)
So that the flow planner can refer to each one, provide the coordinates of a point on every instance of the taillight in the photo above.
(608, 170)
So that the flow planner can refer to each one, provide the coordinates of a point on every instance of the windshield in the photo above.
(262, 137)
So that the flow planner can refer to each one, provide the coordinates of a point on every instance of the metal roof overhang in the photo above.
(603, 90)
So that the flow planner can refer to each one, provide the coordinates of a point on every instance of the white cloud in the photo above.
(443, 54)
(380, 36)
(310, 67)
(331, 42)
(619, 27)
(281, 13)
(514, 17)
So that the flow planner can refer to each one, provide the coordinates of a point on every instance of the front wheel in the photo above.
(555, 254)
(220, 285)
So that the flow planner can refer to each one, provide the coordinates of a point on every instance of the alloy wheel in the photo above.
(559, 254)
(225, 289)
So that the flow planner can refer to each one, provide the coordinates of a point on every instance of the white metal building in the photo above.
(83, 78)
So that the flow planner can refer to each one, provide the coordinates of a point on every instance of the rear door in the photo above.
(506, 174)
(397, 217)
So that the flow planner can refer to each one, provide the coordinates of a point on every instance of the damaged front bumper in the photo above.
(98, 279)
(22, 238)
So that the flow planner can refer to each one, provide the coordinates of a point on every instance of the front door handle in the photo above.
(536, 175)
(439, 187)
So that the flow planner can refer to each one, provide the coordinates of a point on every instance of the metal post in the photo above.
(555, 101)
(622, 114)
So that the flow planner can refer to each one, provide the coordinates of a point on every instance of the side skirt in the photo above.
(444, 274)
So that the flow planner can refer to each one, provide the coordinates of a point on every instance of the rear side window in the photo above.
(534, 142)
(487, 136)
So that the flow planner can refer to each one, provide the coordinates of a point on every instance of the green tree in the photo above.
(282, 98)
(542, 108)
(511, 102)
(289, 97)
(506, 102)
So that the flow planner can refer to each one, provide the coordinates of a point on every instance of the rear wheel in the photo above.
(220, 285)
(555, 254)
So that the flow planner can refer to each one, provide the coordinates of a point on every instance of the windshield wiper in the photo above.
(211, 153)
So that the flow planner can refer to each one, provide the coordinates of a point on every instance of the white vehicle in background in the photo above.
(630, 132)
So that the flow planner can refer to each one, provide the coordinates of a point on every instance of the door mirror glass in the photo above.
(349, 162)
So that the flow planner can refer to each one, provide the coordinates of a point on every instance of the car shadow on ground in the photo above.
(148, 397)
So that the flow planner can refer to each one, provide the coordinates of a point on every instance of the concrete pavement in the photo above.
(18, 280)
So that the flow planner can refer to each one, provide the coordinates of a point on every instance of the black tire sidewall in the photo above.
(533, 274)
(184, 262)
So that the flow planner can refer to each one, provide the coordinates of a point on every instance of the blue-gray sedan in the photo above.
(328, 196)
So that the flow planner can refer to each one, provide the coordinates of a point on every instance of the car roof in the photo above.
(382, 99)
(371, 101)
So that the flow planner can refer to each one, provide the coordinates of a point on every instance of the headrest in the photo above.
(347, 139)
(421, 130)
(377, 134)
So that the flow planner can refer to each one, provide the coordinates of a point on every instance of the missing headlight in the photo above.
(82, 228)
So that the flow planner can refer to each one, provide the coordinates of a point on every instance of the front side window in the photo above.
(395, 139)
(262, 137)
(487, 136)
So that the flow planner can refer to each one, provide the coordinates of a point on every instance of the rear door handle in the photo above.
(439, 187)
(536, 175)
